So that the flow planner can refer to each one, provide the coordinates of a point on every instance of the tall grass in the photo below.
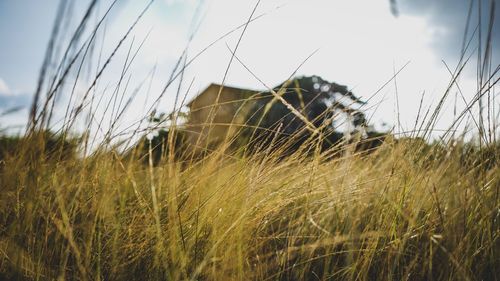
(409, 210)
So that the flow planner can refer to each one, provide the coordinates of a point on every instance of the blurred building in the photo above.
(217, 113)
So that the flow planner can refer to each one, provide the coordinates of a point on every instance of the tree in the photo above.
(321, 102)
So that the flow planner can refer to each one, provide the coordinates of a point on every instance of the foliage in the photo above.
(39, 145)
(159, 145)
(325, 105)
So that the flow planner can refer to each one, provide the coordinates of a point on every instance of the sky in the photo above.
(358, 43)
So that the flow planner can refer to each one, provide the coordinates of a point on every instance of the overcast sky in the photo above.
(359, 43)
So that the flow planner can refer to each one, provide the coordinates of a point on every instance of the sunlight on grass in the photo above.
(135, 208)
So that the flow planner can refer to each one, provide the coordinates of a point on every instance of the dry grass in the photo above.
(406, 211)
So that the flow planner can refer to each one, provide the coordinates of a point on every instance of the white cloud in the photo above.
(360, 43)
(4, 89)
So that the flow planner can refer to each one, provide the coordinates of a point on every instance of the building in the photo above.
(216, 114)
(220, 113)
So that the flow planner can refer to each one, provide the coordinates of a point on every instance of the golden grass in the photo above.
(408, 211)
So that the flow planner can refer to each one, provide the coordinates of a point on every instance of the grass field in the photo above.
(412, 209)
(407, 211)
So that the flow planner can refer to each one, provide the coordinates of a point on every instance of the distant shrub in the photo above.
(41, 145)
